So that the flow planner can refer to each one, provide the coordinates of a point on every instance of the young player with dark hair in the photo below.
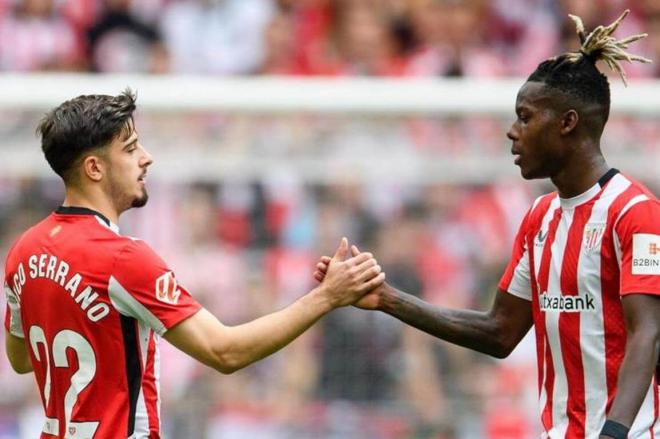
(86, 305)
(585, 270)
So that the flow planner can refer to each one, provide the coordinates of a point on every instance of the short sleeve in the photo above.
(516, 277)
(637, 241)
(13, 323)
(142, 286)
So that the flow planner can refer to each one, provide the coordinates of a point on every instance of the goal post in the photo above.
(415, 130)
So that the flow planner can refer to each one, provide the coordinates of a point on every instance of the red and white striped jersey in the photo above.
(91, 305)
(574, 259)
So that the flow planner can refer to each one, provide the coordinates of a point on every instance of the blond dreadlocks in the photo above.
(599, 44)
(575, 75)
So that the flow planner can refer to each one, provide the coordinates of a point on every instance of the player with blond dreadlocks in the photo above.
(585, 270)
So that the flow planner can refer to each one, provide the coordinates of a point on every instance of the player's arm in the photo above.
(17, 353)
(495, 332)
(642, 317)
(637, 229)
(228, 349)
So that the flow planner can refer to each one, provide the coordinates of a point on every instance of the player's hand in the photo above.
(347, 280)
(371, 300)
(322, 268)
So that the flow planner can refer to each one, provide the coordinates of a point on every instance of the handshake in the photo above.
(353, 280)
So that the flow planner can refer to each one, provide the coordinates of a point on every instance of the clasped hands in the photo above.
(359, 272)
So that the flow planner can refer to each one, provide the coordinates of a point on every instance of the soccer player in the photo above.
(87, 305)
(585, 269)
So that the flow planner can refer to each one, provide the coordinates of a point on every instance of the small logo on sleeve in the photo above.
(654, 249)
(167, 289)
(540, 238)
(646, 254)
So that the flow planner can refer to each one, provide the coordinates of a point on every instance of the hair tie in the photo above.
(590, 56)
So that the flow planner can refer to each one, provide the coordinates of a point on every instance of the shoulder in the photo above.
(634, 203)
(540, 208)
(639, 188)
(137, 254)
(543, 203)
(26, 239)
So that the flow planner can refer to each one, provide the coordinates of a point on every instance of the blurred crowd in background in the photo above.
(475, 38)
(248, 246)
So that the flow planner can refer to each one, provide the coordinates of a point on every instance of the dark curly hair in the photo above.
(83, 124)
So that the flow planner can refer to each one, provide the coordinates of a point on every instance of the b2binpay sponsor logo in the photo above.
(646, 254)
(557, 303)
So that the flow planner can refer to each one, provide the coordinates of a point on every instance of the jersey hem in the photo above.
(186, 316)
(519, 294)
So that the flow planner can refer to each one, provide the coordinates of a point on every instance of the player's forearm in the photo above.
(635, 375)
(476, 330)
(262, 337)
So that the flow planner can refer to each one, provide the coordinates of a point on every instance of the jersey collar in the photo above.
(75, 210)
(571, 203)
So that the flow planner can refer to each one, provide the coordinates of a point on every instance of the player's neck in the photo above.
(98, 202)
(580, 175)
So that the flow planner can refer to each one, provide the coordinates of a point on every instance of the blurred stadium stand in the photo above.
(278, 127)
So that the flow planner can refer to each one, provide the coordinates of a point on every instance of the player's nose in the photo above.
(512, 134)
(147, 159)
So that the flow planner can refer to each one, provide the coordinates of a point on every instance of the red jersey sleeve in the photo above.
(13, 323)
(637, 244)
(516, 277)
(142, 286)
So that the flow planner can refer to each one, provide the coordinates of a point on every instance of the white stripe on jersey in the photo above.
(560, 388)
(15, 321)
(128, 305)
(141, 414)
(592, 329)
(538, 249)
(617, 242)
(538, 253)
(521, 281)
(157, 376)
(112, 226)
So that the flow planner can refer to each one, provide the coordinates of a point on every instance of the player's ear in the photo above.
(94, 167)
(569, 121)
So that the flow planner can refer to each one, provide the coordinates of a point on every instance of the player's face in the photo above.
(535, 134)
(128, 161)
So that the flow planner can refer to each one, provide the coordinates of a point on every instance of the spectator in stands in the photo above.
(521, 32)
(653, 27)
(451, 40)
(311, 25)
(366, 42)
(216, 37)
(120, 43)
(280, 45)
(34, 36)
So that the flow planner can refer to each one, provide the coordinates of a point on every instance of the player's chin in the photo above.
(141, 200)
(531, 173)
